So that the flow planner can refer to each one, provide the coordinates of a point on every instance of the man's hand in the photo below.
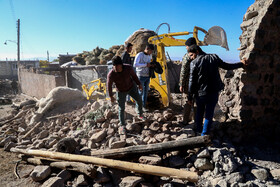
(148, 65)
(140, 87)
(181, 89)
(112, 99)
(244, 61)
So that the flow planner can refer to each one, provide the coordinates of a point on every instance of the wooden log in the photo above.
(86, 169)
(31, 130)
(122, 165)
(152, 148)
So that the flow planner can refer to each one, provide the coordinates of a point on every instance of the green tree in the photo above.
(44, 63)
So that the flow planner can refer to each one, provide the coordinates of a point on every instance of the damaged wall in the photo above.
(38, 85)
(252, 95)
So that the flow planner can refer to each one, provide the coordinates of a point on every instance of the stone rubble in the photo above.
(81, 132)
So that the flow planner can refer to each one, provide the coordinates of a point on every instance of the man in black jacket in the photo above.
(126, 56)
(205, 84)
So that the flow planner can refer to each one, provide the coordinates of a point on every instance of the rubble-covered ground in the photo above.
(49, 124)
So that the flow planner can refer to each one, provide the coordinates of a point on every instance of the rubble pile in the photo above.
(94, 127)
(139, 40)
(98, 56)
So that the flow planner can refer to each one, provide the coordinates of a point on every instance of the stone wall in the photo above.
(252, 95)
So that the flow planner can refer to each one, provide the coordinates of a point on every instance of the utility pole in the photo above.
(48, 57)
(18, 42)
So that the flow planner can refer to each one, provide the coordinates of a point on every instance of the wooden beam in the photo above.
(122, 165)
(153, 148)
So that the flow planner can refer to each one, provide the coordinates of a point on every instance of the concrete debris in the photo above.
(40, 173)
(95, 126)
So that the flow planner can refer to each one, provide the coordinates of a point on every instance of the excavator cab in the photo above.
(160, 84)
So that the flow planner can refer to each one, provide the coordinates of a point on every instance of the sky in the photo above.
(74, 26)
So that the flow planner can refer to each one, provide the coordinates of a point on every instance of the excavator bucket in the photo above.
(216, 36)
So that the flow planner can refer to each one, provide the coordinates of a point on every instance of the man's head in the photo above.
(193, 51)
(190, 41)
(128, 47)
(117, 64)
(149, 49)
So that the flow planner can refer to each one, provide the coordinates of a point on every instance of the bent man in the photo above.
(123, 76)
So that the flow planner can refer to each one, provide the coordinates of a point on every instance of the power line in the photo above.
(13, 10)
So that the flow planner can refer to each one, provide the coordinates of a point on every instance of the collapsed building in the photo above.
(249, 101)
(251, 96)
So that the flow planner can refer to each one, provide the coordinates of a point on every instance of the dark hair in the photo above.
(194, 48)
(127, 45)
(150, 46)
(190, 41)
(117, 60)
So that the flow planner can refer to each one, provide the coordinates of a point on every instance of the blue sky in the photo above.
(73, 26)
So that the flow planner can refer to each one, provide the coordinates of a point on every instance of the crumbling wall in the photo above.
(39, 85)
(252, 95)
(86, 74)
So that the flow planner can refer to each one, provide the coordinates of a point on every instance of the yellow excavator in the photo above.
(214, 36)
(160, 84)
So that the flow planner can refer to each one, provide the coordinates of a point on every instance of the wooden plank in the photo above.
(122, 165)
(152, 148)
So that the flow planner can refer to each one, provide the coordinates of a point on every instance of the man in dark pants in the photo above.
(123, 76)
(126, 56)
(184, 80)
(127, 60)
(205, 84)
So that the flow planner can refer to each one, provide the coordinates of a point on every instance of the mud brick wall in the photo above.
(39, 85)
(252, 95)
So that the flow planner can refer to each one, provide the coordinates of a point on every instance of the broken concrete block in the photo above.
(99, 136)
(155, 126)
(40, 173)
(108, 114)
(161, 136)
(9, 145)
(92, 144)
(176, 161)
(64, 175)
(131, 181)
(134, 128)
(53, 182)
(204, 154)
(81, 181)
(103, 175)
(67, 145)
(117, 144)
(167, 115)
(203, 164)
(6, 140)
(96, 105)
(260, 173)
(275, 173)
(25, 170)
(43, 134)
(182, 136)
(234, 177)
(151, 160)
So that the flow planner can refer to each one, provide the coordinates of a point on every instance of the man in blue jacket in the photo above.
(205, 84)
